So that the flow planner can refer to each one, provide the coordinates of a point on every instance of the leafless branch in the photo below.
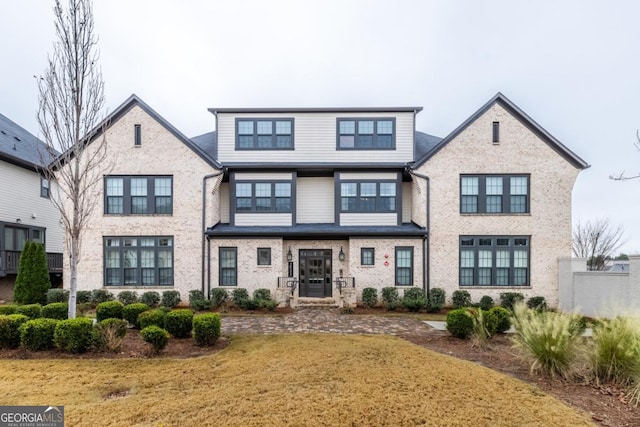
(622, 176)
(597, 241)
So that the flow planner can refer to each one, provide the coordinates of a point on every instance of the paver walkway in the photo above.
(316, 320)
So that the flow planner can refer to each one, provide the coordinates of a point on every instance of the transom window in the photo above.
(138, 195)
(366, 134)
(494, 261)
(263, 197)
(264, 134)
(228, 266)
(369, 196)
(494, 194)
(367, 256)
(138, 261)
(404, 266)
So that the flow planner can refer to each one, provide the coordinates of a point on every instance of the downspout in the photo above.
(426, 259)
(204, 216)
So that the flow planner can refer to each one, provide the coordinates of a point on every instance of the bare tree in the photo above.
(596, 241)
(71, 103)
(622, 176)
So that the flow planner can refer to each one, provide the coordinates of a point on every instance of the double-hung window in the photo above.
(44, 187)
(138, 261)
(404, 266)
(228, 266)
(366, 134)
(367, 256)
(494, 194)
(138, 195)
(264, 134)
(494, 261)
(263, 196)
(368, 196)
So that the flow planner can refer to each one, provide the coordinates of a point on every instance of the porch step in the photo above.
(317, 303)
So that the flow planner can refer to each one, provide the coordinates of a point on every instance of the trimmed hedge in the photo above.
(509, 299)
(390, 298)
(151, 298)
(74, 335)
(10, 329)
(436, 300)
(155, 317)
(156, 336)
(206, 328)
(486, 303)
(197, 301)
(179, 323)
(503, 317)
(37, 334)
(218, 297)
(83, 297)
(171, 299)
(414, 299)
(56, 310)
(537, 303)
(99, 296)
(57, 295)
(128, 297)
(32, 311)
(108, 334)
(460, 323)
(8, 309)
(132, 311)
(109, 309)
(461, 299)
(370, 297)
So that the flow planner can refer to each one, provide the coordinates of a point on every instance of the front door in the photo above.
(315, 273)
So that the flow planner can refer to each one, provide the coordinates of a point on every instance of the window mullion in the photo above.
(506, 194)
(482, 194)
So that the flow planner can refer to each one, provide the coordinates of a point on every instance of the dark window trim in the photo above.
(45, 191)
(511, 247)
(126, 195)
(137, 135)
(506, 193)
(359, 202)
(373, 256)
(374, 146)
(273, 135)
(235, 267)
(29, 228)
(400, 248)
(495, 128)
(268, 256)
(253, 196)
(122, 248)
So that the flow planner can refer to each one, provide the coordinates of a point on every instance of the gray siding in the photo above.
(315, 201)
(368, 219)
(282, 219)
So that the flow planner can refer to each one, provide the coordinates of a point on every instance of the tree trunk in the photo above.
(73, 267)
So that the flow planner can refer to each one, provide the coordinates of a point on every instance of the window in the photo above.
(367, 256)
(366, 134)
(137, 135)
(494, 261)
(263, 196)
(494, 194)
(228, 267)
(138, 261)
(264, 256)
(404, 266)
(264, 134)
(44, 188)
(369, 196)
(138, 195)
(496, 132)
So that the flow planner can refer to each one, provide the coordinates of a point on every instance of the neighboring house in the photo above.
(328, 198)
(25, 209)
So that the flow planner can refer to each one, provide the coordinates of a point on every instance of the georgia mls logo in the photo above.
(31, 416)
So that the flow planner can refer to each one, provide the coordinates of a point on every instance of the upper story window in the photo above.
(494, 194)
(138, 195)
(44, 187)
(366, 134)
(15, 237)
(137, 135)
(368, 196)
(494, 261)
(264, 134)
(263, 196)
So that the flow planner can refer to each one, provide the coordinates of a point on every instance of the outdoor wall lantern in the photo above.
(289, 255)
(341, 255)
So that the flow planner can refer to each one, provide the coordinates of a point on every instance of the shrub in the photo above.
(83, 308)
(461, 299)
(486, 303)
(83, 297)
(547, 339)
(109, 334)
(128, 297)
(206, 328)
(390, 298)
(56, 310)
(8, 309)
(537, 303)
(218, 297)
(196, 294)
(262, 297)
(99, 296)
(460, 323)
(436, 300)
(484, 325)
(151, 298)
(73, 335)
(156, 336)
(503, 318)
(10, 329)
(132, 311)
(154, 317)
(57, 295)
(32, 311)
(262, 294)
(370, 297)
(109, 309)
(179, 323)
(37, 334)
(414, 299)
(509, 299)
(171, 299)
(32, 281)
(239, 294)
(270, 305)
(201, 304)
(616, 350)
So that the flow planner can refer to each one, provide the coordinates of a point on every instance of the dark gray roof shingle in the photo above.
(20, 147)
(208, 143)
(425, 143)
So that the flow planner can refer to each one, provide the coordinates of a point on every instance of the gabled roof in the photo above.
(318, 110)
(515, 111)
(20, 147)
(424, 143)
(208, 143)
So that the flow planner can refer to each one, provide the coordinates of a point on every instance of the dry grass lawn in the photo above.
(285, 380)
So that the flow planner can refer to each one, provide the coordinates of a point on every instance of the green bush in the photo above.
(151, 298)
(10, 329)
(390, 298)
(219, 296)
(32, 281)
(486, 303)
(83, 297)
(8, 309)
(414, 299)
(56, 310)
(154, 317)
(128, 297)
(98, 296)
(73, 335)
(179, 323)
(109, 309)
(32, 311)
(196, 294)
(132, 311)
(270, 305)
(197, 301)
(171, 299)
(503, 318)
(370, 297)
(206, 328)
(239, 294)
(436, 300)
(109, 334)
(509, 299)
(262, 294)
(262, 297)
(37, 334)
(57, 295)
(460, 323)
(461, 299)
(616, 350)
(484, 325)
(537, 303)
(156, 336)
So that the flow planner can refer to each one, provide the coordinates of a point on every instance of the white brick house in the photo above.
(327, 197)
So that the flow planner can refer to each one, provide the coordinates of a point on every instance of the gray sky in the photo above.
(573, 66)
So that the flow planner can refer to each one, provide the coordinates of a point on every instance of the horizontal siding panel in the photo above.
(368, 175)
(406, 202)
(277, 219)
(315, 202)
(224, 203)
(368, 219)
(245, 176)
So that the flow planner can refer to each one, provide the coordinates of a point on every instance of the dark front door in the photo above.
(315, 273)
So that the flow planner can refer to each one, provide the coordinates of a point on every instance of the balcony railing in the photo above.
(288, 282)
(9, 261)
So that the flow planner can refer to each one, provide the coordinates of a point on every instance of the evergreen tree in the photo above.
(32, 282)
